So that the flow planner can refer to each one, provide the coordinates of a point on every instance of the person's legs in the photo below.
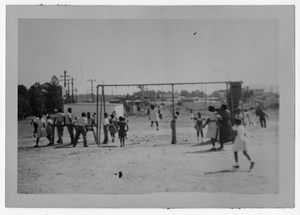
(35, 129)
(59, 133)
(112, 134)
(201, 135)
(261, 122)
(70, 129)
(37, 142)
(156, 122)
(105, 134)
(95, 136)
(248, 157)
(50, 139)
(265, 124)
(152, 123)
(76, 136)
(83, 132)
(236, 159)
(213, 144)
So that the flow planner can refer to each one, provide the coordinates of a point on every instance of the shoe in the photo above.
(74, 145)
(104, 143)
(213, 149)
(236, 166)
(113, 141)
(36, 146)
(151, 125)
(157, 129)
(50, 144)
(85, 146)
(220, 148)
(251, 165)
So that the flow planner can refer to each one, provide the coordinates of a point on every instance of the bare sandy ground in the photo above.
(148, 162)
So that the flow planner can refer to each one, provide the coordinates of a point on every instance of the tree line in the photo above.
(39, 98)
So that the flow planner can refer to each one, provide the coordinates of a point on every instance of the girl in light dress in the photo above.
(240, 144)
(49, 129)
(153, 116)
(212, 129)
(41, 129)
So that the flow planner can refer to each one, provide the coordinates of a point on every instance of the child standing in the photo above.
(212, 126)
(112, 127)
(240, 144)
(122, 129)
(81, 129)
(173, 128)
(90, 125)
(199, 125)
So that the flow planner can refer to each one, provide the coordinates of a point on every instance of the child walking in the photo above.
(240, 144)
(122, 129)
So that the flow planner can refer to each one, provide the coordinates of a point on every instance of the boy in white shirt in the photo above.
(81, 129)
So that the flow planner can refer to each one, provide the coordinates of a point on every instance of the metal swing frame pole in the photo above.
(173, 103)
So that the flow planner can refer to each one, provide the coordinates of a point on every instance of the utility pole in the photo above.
(87, 95)
(68, 94)
(64, 79)
(76, 93)
(72, 79)
(92, 88)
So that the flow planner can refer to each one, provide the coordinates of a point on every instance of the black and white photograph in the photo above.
(155, 106)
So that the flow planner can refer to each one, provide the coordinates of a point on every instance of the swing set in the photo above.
(234, 95)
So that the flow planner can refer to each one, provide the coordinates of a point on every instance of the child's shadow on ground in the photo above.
(205, 151)
(227, 171)
(208, 142)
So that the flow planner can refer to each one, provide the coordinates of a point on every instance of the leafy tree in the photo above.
(52, 94)
(36, 98)
(184, 93)
(24, 109)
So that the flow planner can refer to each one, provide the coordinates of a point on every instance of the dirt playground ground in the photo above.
(148, 162)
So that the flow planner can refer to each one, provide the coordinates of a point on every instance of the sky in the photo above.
(130, 51)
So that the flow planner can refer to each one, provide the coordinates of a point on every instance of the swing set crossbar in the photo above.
(157, 84)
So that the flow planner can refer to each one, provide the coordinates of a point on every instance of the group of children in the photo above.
(45, 128)
(252, 115)
(85, 123)
(214, 132)
(115, 125)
